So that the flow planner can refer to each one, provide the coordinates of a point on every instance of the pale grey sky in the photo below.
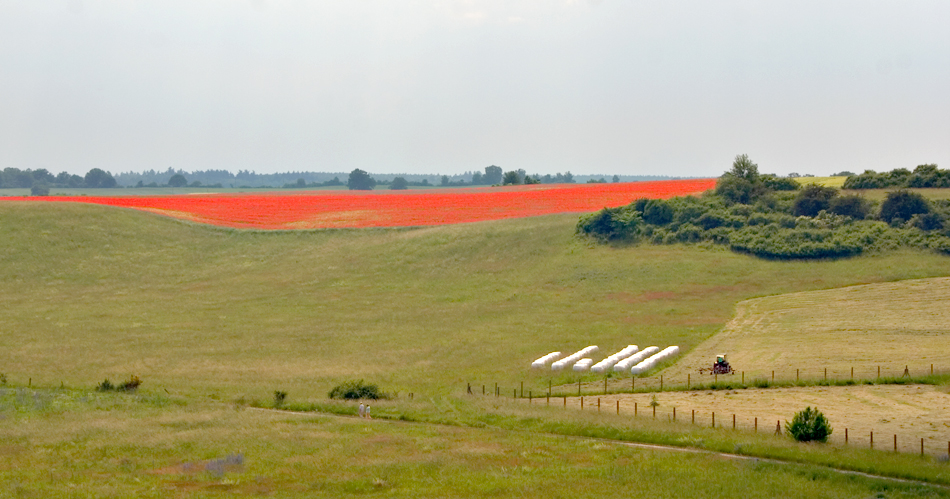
(609, 86)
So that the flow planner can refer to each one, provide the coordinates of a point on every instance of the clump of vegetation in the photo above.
(3, 379)
(279, 398)
(353, 390)
(127, 386)
(809, 425)
(922, 176)
(771, 217)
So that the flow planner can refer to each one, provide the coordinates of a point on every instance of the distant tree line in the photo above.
(771, 217)
(40, 181)
(922, 176)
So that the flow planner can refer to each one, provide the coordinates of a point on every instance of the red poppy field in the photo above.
(354, 209)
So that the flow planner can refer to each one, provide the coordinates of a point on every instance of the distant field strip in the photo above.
(352, 209)
(888, 325)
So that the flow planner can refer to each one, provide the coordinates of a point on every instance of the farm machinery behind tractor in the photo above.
(721, 366)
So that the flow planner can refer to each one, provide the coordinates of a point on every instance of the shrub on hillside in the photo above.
(900, 206)
(809, 425)
(353, 390)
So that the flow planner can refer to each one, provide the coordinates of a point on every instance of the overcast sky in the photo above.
(400, 86)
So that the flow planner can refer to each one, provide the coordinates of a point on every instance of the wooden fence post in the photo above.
(895, 443)
(773, 376)
(796, 375)
(565, 401)
(687, 381)
(578, 388)
(661, 382)
(549, 388)
(530, 397)
(743, 377)
(654, 412)
(852, 372)
(694, 422)
(514, 393)
(634, 408)
(496, 389)
(878, 371)
(483, 389)
(872, 439)
(522, 389)
(582, 403)
(733, 421)
(846, 436)
(598, 404)
(826, 374)
(618, 406)
(674, 414)
(714, 419)
(547, 400)
(756, 430)
(921, 446)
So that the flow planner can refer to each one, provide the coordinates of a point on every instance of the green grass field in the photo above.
(206, 315)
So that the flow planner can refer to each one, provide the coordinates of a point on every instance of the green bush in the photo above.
(105, 386)
(353, 390)
(279, 398)
(809, 425)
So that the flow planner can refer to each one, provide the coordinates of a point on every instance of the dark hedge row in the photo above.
(922, 176)
(814, 222)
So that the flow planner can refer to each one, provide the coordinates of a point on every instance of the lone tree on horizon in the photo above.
(360, 181)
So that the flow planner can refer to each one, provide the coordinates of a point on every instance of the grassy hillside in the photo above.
(92, 292)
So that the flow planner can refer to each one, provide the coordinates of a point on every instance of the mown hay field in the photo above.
(888, 325)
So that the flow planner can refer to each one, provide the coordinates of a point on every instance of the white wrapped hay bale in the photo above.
(543, 361)
(652, 361)
(631, 361)
(574, 357)
(583, 365)
(606, 364)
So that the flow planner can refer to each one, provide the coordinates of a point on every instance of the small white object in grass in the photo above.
(543, 361)
(583, 365)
